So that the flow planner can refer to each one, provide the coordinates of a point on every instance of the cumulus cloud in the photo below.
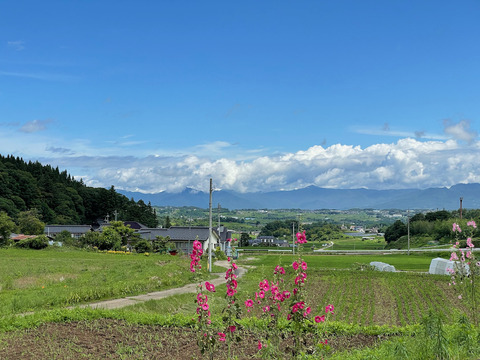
(35, 126)
(408, 163)
(460, 131)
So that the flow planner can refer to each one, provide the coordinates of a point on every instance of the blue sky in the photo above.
(272, 95)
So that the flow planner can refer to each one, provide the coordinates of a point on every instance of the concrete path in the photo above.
(190, 288)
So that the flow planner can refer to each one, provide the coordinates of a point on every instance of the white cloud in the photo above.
(460, 131)
(35, 126)
(408, 163)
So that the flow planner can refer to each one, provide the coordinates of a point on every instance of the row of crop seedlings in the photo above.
(374, 297)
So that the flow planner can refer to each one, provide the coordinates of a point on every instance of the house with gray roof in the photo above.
(77, 231)
(183, 236)
(268, 241)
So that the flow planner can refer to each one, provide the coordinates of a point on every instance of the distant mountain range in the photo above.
(313, 197)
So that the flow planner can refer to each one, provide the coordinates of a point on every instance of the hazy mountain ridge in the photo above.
(313, 197)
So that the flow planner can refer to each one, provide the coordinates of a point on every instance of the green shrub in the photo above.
(143, 246)
(219, 254)
(40, 242)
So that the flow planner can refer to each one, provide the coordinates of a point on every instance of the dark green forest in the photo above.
(60, 199)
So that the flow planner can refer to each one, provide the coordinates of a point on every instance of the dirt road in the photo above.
(190, 288)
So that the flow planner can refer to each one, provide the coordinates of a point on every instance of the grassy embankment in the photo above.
(32, 280)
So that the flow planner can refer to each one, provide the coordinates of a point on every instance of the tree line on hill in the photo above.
(432, 226)
(60, 199)
(318, 231)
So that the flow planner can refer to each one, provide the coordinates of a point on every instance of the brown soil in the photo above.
(113, 339)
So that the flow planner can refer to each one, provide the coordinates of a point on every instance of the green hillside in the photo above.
(60, 199)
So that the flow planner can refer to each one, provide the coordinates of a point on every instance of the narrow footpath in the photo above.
(190, 288)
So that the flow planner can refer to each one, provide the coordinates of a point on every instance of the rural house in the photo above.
(183, 236)
(77, 231)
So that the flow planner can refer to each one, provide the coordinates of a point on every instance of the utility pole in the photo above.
(293, 238)
(218, 228)
(210, 229)
(461, 207)
(408, 230)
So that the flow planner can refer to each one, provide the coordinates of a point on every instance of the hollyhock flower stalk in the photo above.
(464, 276)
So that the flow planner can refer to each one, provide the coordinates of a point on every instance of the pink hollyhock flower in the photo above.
(329, 308)
(319, 319)
(295, 265)
(289, 317)
(231, 291)
(469, 243)
(232, 328)
(263, 285)
(248, 303)
(454, 256)
(304, 265)
(286, 294)
(456, 227)
(259, 345)
(210, 287)
(261, 294)
(301, 238)
(201, 298)
(279, 269)
(472, 223)
(221, 336)
(205, 307)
